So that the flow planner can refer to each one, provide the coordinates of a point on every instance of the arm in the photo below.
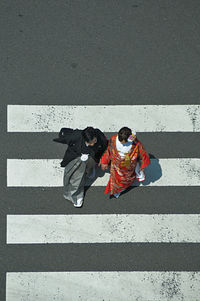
(144, 156)
(69, 155)
(105, 159)
(68, 136)
(102, 144)
(103, 139)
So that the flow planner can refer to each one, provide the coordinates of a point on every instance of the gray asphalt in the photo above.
(98, 52)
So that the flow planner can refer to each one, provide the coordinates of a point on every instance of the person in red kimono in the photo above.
(127, 159)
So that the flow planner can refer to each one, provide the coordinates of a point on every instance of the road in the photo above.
(101, 53)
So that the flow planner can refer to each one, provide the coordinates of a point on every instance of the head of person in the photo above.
(89, 136)
(123, 134)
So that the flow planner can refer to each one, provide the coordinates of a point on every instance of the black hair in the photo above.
(88, 134)
(124, 133)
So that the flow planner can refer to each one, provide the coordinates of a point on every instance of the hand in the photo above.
(103, 166)
(142, 170)
(62, 164)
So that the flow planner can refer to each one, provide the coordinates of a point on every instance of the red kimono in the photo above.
(122, 170)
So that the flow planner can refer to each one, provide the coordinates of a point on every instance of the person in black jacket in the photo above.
(85, 148)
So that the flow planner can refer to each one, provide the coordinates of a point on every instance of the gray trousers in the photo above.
(75, 174)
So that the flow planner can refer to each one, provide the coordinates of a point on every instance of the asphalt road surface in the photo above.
(100, 53)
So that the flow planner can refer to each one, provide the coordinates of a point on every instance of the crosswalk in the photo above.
(160, 286)
(106, 228)
(47, 173)
(149, 118)
(103, 229)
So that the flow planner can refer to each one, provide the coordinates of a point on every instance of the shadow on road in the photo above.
(153, 173)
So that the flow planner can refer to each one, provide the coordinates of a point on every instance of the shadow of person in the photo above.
(153, 171)
(99, 173)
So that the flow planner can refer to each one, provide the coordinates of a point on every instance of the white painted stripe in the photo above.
(141, 118)
(103, 228)
(48, 173)
(107, 286)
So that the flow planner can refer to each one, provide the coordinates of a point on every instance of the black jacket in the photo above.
(77, 146)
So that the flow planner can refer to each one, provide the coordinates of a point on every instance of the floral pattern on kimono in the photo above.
(122, 170)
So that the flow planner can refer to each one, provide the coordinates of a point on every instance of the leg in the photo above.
(90, 168)
(74, 180)
(78, 185)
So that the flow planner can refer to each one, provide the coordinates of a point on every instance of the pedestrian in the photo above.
(84, 150)
(123, 154)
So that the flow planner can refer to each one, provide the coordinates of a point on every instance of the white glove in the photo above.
(84, 157)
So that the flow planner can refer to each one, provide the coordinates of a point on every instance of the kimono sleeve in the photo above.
(144, 156)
